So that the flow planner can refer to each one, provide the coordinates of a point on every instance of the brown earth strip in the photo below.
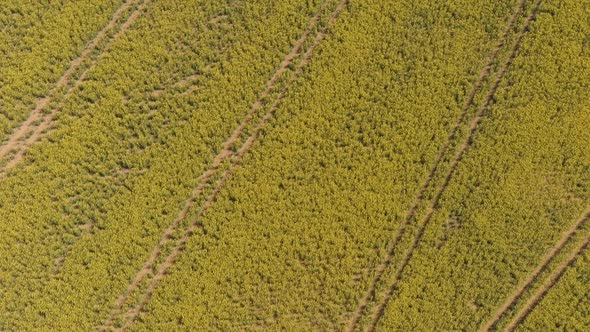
(380, 307)
(133, 312)
(545, 260)
(226, 153)
(552, 280)
(43, 122)
(357, 314)
(28, 132)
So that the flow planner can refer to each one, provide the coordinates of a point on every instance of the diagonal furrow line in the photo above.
(23, 130)
(545, 260)
(550, 282)
(32, 132)
(38, 130)
(458, 156)
(170, 259)
(223, 155)
(380, 308)
(380, 270)
(33, 128)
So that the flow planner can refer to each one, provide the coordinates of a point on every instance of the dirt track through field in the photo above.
(226, 153)
(170, 259)
(32, 128)
(380, 307)
(380, 270)
(549, 282)
(38, 123)
(545, 260)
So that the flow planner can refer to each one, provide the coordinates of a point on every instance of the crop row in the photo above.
(93, 197)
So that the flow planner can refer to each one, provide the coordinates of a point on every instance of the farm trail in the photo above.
(133, 312)
(484, 73)
(380, 307)
(45, 121)
(223, 155)
(550, 282)
(34, 127)
(545, 260)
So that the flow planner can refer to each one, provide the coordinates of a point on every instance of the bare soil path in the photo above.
(484, 73)
(549, 282)
(40, 123)
(226, 153)
(380, 307)
(545, 260)
(34, 127)
(236, 159)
